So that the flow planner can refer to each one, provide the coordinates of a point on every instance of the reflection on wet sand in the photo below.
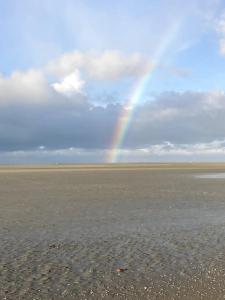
(211, 176)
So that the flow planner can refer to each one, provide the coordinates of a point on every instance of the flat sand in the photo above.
(65, 230)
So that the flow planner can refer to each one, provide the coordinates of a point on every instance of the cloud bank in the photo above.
(41, 115)
(34, 114)
(167, 152)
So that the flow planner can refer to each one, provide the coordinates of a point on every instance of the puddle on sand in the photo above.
(211, 176)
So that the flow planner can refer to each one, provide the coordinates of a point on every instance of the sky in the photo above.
(96, 81)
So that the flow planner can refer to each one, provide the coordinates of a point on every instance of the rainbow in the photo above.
(128, 109)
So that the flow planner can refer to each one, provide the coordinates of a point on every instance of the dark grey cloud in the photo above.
(188, 117)
(61, 122)
(56, 126)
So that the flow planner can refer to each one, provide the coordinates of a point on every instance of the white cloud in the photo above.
(167, 148)
(70, 85)
(222, 46)
(213, 151)
(108, 65)
(220, 27)
(221, 24)
(29, 87)
(34, 86)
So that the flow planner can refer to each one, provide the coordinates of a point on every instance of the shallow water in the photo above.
(211, 176)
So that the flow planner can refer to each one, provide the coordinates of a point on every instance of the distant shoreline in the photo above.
(114, 166)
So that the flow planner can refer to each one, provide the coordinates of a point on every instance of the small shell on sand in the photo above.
(120, 270)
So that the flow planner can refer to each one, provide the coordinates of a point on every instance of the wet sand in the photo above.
(65, 230)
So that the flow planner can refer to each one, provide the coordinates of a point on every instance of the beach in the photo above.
(132, 231)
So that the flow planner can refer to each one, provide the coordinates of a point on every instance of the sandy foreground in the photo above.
(65, 230)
